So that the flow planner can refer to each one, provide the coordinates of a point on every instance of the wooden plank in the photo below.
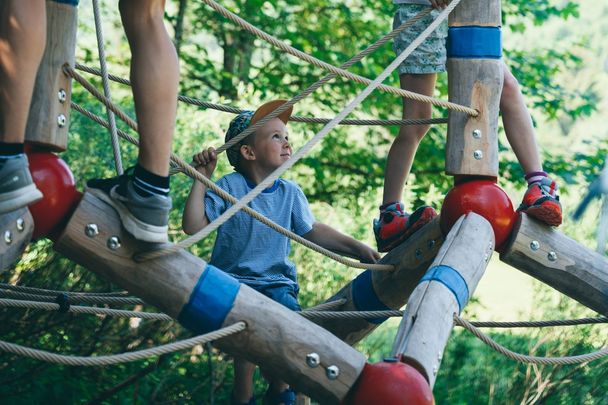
(559, 261)
(393, 288)
(276, 338)
(485, 13)
(53, 89)
(16, 229)
(428, 318)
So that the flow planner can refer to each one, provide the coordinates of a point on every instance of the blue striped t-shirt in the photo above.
(246, 248)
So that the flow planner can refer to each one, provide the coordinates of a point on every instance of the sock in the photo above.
(535, 177)
(147, 183)
(10, 150)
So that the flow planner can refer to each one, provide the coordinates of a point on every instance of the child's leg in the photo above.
(155, 79)
(243, 381)
(540, 200)
(22, 39)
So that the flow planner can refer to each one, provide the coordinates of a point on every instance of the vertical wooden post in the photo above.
(443, 291)
(475, 78)
(49, 115)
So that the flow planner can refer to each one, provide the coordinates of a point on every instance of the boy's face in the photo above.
(271, 144)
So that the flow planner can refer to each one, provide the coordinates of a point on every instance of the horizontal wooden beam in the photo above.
(16, 229)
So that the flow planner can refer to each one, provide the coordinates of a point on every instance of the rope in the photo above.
(293, 118)
(106, 87)
(73, 298)
(583, 358)
(191, 172)
(226, 215)
(123, 357)
(338, 71)
(326, 306)
(55, 292)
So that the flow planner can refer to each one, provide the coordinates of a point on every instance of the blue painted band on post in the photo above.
(453, 280)
(70, 2)
(365, 298)
(474, 43)
(210, 301)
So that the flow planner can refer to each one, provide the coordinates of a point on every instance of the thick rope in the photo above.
(326, 306)
(293, 118)
(123, 357)
(270, 179)
(106, 87)
(583, 358)
(341, 72)
(193, 173)
(87, 299)
(43, 291)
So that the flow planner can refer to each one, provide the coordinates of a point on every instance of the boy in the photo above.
(418, 73)
(249, 250)
(142, 198)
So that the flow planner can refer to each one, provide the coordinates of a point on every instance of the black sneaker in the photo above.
(17, 189)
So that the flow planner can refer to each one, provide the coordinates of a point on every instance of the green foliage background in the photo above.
(555, 48)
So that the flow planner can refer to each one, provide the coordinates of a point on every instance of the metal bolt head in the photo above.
(8, 237)
(534, 245)
(332, 372)
(418, 254)
(20, 224)
(435, 369)
(431, 243)
(61, 120)
(478, 154)
(552, 256)
(91, 230)
(62, 96)
(476, 133)
(113, 243)
(313, 360)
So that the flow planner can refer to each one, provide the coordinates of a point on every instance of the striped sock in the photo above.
(11, 150)
(535, 177)
(147, 183)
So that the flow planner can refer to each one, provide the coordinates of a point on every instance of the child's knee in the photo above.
(412, 133)
(510, 88)
(141, 14)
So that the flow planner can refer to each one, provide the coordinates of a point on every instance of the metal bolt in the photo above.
(113, 242)
(418, 254)
(478, 154)
(313, 360)
(552, 256)
(61, 120)
(476, 133)
(20, 224)
(8, 237)
(435, 369)
(91, 230)
(534, 245)
(62, 96)
(332, 372)
(431, 243)
(439, 356)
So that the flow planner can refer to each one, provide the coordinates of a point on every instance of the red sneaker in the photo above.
(542, 202)
(394, 225)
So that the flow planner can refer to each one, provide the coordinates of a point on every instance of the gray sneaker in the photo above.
(145, 218)
(17, 189)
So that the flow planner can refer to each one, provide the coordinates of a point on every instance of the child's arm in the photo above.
(327, 237)
(194, 218)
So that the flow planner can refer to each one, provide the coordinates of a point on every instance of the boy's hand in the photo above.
(439, 4)
(368, 255)
(205, 161)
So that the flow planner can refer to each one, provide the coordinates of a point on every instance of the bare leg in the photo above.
(243, 380)
(22, 39)
(155, 78)
(401, 155)
(518, 124)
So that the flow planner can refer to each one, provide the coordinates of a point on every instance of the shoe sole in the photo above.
(19, 198)
(427, 215)
(140, 230)
(545, 213)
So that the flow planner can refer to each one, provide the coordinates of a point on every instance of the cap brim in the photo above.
(266, 108)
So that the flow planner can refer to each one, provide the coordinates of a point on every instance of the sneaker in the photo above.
(540, 203)
(394, 225)
(145, 218)
(17, 189)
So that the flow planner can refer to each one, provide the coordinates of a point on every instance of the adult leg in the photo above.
(243, 381)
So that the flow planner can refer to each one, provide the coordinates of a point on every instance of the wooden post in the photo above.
(204, 298)
(475, 78)
(16, 229)
(49, 115)
(553, 258)
(379, 290)
(443, 291)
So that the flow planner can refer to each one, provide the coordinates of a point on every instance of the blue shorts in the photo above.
(284, 294)
(430, 55)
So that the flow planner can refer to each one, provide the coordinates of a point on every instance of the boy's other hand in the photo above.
(205, 162)
(368, 255)
(439, 4)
